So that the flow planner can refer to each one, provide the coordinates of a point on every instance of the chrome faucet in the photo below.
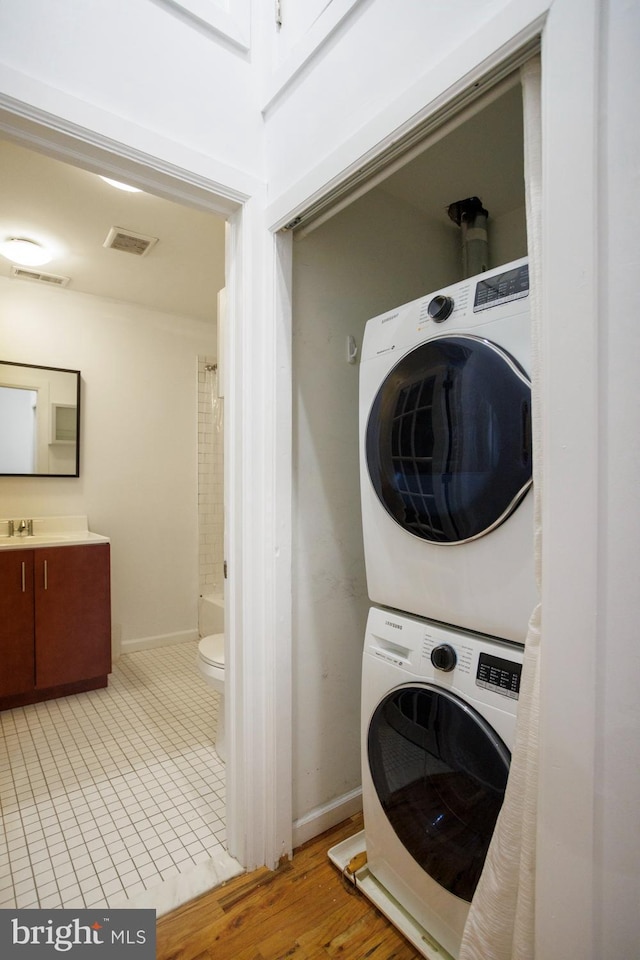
(24, 528)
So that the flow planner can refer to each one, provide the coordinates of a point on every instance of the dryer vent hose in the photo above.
(472, 217)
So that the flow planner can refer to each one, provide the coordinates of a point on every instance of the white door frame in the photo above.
(258, 506)
(258, 699)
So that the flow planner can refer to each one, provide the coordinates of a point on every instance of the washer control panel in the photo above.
(482, 670)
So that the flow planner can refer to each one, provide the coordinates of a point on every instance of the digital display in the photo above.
(502, 288)
(502, 676)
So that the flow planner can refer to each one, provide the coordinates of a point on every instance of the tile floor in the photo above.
(108, 796)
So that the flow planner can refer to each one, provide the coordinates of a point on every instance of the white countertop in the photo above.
(50, 532)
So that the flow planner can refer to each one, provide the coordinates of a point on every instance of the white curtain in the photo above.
(501, 922)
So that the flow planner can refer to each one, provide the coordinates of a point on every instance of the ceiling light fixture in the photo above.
(120, 186)
(27, 253)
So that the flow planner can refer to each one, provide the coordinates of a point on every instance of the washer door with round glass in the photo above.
(440, 772)
(448, 441)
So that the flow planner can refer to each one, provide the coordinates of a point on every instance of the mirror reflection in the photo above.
(39, 421)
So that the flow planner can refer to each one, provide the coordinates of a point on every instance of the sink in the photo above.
(49, 532)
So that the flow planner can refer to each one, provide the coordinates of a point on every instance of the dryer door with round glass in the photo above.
(440, 772)
(448, 439)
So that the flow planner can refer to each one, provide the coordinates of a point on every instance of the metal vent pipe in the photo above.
(471, 217)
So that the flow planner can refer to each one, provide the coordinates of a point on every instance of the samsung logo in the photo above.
(396, 626)
(390, 317)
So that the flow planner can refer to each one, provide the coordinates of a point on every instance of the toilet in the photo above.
(211, 666)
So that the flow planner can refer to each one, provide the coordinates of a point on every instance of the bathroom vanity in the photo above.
(55, 612)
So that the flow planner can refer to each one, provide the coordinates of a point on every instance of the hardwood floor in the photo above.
(304, 910)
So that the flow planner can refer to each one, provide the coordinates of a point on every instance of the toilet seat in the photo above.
(211, 660)
(211, 649)
(211, 665)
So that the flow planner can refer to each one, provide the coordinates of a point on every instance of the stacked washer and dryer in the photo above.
(445, 424)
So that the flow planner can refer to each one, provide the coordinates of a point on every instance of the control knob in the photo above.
(443, 657)
(440, 308)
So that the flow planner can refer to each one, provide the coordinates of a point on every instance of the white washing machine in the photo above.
(438, 721)
(445, 455)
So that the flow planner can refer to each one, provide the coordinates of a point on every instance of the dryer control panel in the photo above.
(469, 305)
(498, 674)
(502, 288)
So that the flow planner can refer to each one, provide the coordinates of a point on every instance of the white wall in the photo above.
(371, 69)
(376, 254)
(375, 73)
(140, 74)
(138, 463)
(617, 671)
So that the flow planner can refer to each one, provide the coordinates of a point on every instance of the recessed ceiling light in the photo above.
(121, 186)
(28, 253)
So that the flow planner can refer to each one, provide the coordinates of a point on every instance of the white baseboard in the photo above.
(328, 815)
(163, 640)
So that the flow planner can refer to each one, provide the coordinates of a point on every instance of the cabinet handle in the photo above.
(24, 577)
(46, 576)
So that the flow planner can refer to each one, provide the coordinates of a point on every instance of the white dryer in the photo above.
(438, 721)
(445, 455)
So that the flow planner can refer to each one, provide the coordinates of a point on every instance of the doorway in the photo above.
(390, 245)
(158, 381)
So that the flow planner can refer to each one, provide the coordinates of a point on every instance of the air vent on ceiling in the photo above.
(51, 278)
(129, 242)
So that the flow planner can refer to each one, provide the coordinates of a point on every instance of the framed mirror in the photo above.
(39, 421)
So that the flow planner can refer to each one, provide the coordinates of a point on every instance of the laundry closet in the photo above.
(393, 243)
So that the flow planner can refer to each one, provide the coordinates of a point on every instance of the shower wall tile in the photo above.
(210, 488)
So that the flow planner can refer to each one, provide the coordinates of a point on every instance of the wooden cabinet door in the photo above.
(72, 614)
(17, 671)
